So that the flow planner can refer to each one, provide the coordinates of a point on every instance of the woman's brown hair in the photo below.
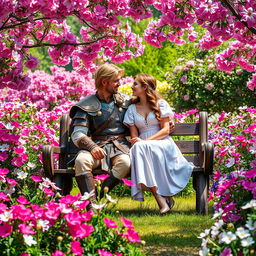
(152, 95)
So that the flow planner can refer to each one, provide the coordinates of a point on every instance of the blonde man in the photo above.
(99, 132)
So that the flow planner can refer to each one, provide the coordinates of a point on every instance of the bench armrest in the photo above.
(48, 159)
(208, 156)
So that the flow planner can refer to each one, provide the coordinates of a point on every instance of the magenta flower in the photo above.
(101, 177)
(48, 191)
(81, 231)
(76, 248)
(110, 223)
(104, 253)
(3, 156)
(132, 236)
(4, 171)
(11, 182)
(4, 197)
(25, 229)
(128, 183)
(22, 200)
(22, 213)
(250, 174)
(58, 253)
(36, 179)
(226, 252)
(127, 223)
(5, 230)
(69, 199)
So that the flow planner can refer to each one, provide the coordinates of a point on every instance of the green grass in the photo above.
(173, 234)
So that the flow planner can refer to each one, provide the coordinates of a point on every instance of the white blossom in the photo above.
(242, 233)
(230, 162)
(251, 225)
(29, 240)
(22, 175)
(87, 195)
(247, 241)
(110, 199)
(204, 234)
(98, 207)
(251, 204)
(6, 216)
(43, 224)
(227, 237)
(4, 147)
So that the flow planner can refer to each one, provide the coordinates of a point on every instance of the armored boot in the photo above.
(85, 183)
(108, 184)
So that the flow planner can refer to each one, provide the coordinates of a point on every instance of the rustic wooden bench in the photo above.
(199, 151)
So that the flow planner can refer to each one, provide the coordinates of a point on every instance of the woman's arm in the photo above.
(163, 132)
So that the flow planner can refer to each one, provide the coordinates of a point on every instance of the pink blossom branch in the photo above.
(63, 43)
(237, 15)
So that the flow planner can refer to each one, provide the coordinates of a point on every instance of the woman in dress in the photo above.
(156, 162)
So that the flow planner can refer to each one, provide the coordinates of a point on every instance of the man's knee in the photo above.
(83, 163)
(121, 166)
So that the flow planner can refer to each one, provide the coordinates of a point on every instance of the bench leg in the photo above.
(64, 182)
(201, 185)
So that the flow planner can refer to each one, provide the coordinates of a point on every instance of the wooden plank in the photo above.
(188, 147)
(193, 159)
(186, 129)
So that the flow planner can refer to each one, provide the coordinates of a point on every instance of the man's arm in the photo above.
(80, 136)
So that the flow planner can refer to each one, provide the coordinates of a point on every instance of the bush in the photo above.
(233, 186)
(198, 84)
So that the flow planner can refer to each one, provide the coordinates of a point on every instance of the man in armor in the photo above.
(99, 132)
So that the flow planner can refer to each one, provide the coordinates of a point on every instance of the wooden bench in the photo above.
(198, 151)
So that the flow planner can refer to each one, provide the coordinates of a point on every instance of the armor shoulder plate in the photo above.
(88, 104)
(123, 100)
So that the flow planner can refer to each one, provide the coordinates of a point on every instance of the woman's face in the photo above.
(137, 88)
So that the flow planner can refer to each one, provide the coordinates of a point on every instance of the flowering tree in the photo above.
(29, 24)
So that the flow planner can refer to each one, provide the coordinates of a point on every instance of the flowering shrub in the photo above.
(48, 91)
(37, 224)
(233, 188)
(199, 84)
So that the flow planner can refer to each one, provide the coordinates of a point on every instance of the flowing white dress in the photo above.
(156, 163)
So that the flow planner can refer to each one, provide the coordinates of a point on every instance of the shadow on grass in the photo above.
(144, 212)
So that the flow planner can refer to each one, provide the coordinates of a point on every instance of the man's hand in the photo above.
(172, 127)
(98, 153)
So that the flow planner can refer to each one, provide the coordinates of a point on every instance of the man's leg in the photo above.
(84, 164)
(121, 168)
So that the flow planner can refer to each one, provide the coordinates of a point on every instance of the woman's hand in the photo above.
(134, 140)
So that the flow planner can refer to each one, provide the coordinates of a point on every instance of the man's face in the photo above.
(112, 85)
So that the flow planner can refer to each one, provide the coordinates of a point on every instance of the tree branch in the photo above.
(63, 43)
(237, 15)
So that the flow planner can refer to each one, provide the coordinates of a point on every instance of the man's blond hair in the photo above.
(106, 72)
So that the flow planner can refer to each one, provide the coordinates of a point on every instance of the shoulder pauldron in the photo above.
(89, 104)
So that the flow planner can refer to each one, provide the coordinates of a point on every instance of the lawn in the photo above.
(173, 234)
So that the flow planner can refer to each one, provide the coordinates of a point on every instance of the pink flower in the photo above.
(5, 230)
(22, 200)
(3, 156)
(110, 223)
(4, 171)
(104, 253)
(25, 229)
(132, 236)
(250, 174)
(128, 183)
(11, 182)
(127, 223)
(58, 253)
(81, 231)
(76, 248)
(48, 191)
(4, 197)
(32, 62)
(101, 177)
(226, 252)
(36, 179)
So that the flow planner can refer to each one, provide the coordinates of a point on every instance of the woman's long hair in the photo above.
(152, 95)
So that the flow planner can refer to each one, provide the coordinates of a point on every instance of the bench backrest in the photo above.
(190, 148)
